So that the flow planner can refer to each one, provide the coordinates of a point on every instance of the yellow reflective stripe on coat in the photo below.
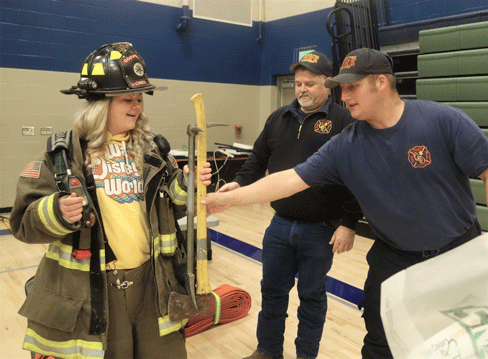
(166, 326)
(71, 349)
(48, 218)
(177, 194)
(102, 260)
(165, 244)
(62, 253)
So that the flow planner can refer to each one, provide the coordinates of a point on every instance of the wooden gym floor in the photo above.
(343, 331)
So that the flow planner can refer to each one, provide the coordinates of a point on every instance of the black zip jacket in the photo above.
(283, 144)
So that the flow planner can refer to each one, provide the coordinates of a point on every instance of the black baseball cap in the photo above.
(315, 62)
(360, 63)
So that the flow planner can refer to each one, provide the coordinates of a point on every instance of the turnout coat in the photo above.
(67, 306)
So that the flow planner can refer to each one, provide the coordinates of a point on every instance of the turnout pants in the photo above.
(133, 331)
(289, 248)
(384, 261)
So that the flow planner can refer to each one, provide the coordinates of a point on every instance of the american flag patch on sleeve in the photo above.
(32, 170)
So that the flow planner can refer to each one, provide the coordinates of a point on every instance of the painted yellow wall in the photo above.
(32, 98)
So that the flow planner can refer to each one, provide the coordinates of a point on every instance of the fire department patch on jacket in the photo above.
(323, 126)
(173, 161)
(32, 170)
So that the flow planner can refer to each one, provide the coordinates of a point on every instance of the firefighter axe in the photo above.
(200, 302)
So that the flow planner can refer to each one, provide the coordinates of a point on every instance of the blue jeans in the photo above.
(290, 248)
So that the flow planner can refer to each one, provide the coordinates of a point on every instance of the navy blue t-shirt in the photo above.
(412, 179)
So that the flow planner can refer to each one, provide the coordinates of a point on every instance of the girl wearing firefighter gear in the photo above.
(102, 288)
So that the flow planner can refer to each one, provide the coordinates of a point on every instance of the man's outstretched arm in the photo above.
(270, 188)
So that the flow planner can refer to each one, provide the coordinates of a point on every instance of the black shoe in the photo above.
(258, 354)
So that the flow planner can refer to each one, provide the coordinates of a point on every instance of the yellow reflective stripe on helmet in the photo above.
(115, 55)
(165, 244)
(71, 349)
(177, 194)
(98, 69)
(84, 70)
(48, 218)
(166, 326)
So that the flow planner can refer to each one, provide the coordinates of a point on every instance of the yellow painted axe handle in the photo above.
(203, 283)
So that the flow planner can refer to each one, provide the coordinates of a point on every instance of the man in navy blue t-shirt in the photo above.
(408, 164)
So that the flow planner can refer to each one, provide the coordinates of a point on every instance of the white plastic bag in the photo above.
(439, 308)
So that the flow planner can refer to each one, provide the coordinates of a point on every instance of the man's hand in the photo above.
(343, 240)
(270, 188)
(229, 187)
(206, 174)
(71, 207)
(215, 202)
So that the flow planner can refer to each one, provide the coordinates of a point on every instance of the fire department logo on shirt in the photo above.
(117, 176)
(323, 126)
(419, 157)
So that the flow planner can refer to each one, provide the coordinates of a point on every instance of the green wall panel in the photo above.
(453, 64)
(483, 217)
(478, 188)
(452, 38)
(478, 111)
(453, 89)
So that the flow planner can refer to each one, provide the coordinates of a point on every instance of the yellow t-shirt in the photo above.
(120, 194)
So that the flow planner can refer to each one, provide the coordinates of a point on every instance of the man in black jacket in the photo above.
(308, 227)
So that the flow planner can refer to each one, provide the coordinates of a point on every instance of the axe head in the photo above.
(181, 306)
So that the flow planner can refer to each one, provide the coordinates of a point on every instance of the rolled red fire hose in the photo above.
(231, 304)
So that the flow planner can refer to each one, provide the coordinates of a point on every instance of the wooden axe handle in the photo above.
(203, 283)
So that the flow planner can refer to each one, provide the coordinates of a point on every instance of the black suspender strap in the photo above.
(58, 147)
(92, 191)
(98, 322)
(90, 183)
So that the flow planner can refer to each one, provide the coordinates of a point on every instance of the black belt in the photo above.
(332, 223)
(471, 233)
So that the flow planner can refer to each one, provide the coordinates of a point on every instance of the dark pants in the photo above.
(289, 248)
(384, 261)
(133, 330)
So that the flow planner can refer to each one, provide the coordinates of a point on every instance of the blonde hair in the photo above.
(91, 124)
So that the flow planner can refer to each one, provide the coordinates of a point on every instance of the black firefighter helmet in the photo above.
(112, 70)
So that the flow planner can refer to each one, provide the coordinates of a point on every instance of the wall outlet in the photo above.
(28, 131)
(46, 131)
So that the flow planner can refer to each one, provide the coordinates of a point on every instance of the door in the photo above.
(286, 90)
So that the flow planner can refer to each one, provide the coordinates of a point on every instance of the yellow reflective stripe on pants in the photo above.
(48, 218)
(166, 326)
(71, 349)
